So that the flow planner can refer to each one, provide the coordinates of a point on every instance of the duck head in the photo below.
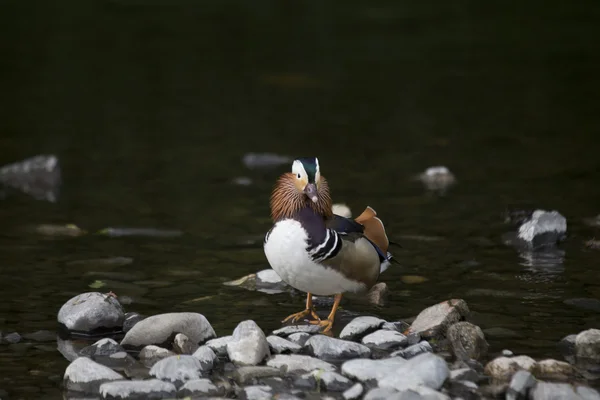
(303, 187)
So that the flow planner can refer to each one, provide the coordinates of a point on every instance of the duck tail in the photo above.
(374, 229)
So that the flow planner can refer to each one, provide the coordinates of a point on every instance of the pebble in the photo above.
(183, 345)
(158, 329)
(131, 318)
(147, 389)
(360, 326)
(587, 345)
(434, 321)
(12, 338)
(467, 341)
(503, 368)
(519, 385)
(414, 350)
(327, 348)
(244, 375)
(199, 387)
(553, 391)
(279, 345)
(85, 375)
(299, 338)
(177, 369)
(88, 312)
(354, 392)
(299, 363)
(206, 356)
(385, 340)
(331, 381)
(291, 329)
(425, 369)
(365, 369)
(152, 354)
(248, 345)
(219, 345)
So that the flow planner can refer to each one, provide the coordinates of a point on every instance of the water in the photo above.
(151, 106)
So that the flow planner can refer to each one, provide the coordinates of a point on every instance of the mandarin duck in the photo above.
(316, 251)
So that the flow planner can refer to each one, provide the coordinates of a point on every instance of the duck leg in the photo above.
(328, 323)
(310, 310)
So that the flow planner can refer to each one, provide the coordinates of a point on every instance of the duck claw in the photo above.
(301, 315)
(326, 324)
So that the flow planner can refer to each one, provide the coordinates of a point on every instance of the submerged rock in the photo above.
(39, 336)
(326, 348)
(160, 329)
(177, 369)
(435, 320)
(85, 375)
(12, 338)
(467, 341)
(152, 389)
(148, 232)
(152, 354)
(299, 363)
(279, 345)
(544, 228)
(385, 340)
(360, 326)
(199, 387)
(248, 345)
(39, 177)
(89, 312)
(264, 160)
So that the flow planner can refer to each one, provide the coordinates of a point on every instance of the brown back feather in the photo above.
(374, 229)
(286, 200)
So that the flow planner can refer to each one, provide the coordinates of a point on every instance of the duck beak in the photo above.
(310, 190)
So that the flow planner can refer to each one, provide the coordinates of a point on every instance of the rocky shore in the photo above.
(441, 355)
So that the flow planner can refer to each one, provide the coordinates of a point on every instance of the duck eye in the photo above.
(298, 175)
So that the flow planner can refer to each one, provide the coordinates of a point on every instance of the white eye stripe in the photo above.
(298, 169)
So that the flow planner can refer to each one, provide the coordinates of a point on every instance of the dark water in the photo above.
(150, 106)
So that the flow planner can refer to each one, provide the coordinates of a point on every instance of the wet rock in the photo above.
(40, 336)
(102, 348)
(327, 348)
(244, 375)
(584, 303)
(183, 345)
(507, 353)
(143, 232)
(503, 368)
(434, 321)
(587, 393)
(147, 389)
(543, 228)
(131, 318)
(331, 381)
(425, 369)
(398, 326)
(553, 391)
(206, 356)
(552, 370)
(467, 341)
(498, 332)
(85, 375)
(160, 329)
(566, 346)
(219, 345)
(299, 338)
(437, 178)
(68, 349)
(268, 281)
(177, 369)
(587, 345)
(92, 311)
(248, 345)
(464, 374)
(298, 363)
(414, 350)
(520, 384)
(257, 392)
(378, 294)
(280, 345)
(360, 326)
(12, 338)
(354, 392)
(199, 387)
(365, 370)
(38, 176)
(306, 382)
(291, 329)
(385, 340)
(152, 354)
(264, 160)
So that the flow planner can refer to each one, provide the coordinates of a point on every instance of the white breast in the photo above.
(285, 249)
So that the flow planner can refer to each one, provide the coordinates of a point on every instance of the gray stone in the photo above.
(507, 353)
(298, 363)
(219, 345)
(331, 381)
(360, 326)
(385, 340)
(152, 354)
(183, 345)
(544, 228)
(566, 346)
(257, 392)
(306, 382)
(131, 318)
(384, 394)
(206, 356)
(248, 345)
(291, 329)
(244, 375)
(553, 391)
(279, 345)
(88, 312)
(587, 393)
(68, 349)
(424, 393)
(587, 345)
(12, 338)
(398, 326)
(520, 384)
(503, 368)
(414, 350)
(425, 369)
(160, 329)
(177, 369)
(85, 375)
(103, 347)
(464, 374)
(326, 348)
(299, 338)
(364, 369)
(354, 392)
(199, 387)
(152, 389)
(553, 370)
(467, 341)
(268, 281)
(40, 336)
(435, 320)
